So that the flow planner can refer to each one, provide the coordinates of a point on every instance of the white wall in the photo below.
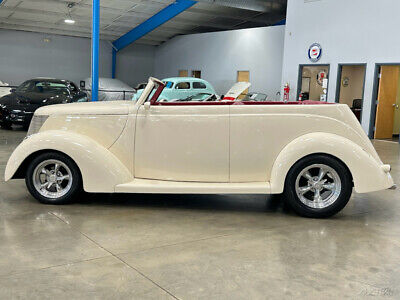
(356, 31)
(24, 55)
(135, 64)
(220, 55)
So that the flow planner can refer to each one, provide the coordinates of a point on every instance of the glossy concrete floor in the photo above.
(196, 247)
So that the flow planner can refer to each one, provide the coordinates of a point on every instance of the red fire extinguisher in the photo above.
(286, 91)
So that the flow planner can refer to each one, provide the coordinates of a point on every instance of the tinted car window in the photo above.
(51, 87)
(27, 86)
(199, 85)
(183, 86)
(73, 87)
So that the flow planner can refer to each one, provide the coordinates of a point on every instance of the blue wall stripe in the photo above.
(95, 49)
(152, 23)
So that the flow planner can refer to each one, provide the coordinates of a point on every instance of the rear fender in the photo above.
(368, 174)
(101, 170)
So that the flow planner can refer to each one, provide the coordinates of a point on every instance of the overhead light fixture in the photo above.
(69, 19)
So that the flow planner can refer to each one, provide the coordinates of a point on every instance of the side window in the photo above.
(199, 85)
(183, 86)
(169, 85)
(73, 87)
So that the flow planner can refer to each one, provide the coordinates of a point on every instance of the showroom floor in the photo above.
(187, 247)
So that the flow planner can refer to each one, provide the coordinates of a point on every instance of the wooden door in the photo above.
(243, 76)
(183, 73)
(387, 95)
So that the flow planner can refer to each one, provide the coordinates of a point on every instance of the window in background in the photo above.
(313, 82)
(183, 73)
(196, 74)
(243, 76)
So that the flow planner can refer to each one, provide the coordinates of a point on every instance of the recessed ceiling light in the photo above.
(69, 21)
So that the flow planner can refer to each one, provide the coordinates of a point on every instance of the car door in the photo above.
(76, 94)
(182, 142)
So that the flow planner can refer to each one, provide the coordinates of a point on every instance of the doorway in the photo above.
(183, 73)
(350, 87)
(196, 74)
(313, 82)
(386, 113)
(243, 76)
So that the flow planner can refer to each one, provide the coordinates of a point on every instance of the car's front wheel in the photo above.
(53, 178)
(318, 186)
(6, 125)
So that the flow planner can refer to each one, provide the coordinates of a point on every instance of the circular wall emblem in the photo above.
(315, 52)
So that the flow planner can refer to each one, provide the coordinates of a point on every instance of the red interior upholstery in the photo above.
(196, 103)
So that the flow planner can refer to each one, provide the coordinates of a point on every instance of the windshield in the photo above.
(198, 97)
(155, 93)
(36, 86)
(255, 97)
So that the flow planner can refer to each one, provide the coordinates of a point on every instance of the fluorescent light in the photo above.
(69, 21)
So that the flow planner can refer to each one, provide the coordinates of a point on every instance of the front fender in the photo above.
(368, 174)
(101, 170)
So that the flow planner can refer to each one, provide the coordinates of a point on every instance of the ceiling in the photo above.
(120, 16)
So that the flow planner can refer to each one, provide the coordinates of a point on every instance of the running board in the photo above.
(147, 186)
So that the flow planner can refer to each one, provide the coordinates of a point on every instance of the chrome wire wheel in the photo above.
(318, 186)
(52, 179)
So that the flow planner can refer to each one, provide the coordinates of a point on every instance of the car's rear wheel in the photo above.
(53, 178)
(318, 186)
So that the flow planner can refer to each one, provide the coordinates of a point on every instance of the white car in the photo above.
(111, 89)
(312, 152)
(4, 89)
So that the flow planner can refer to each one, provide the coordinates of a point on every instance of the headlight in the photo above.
(36, 123)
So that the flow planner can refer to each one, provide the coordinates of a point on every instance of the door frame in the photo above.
(339, 83)
(300, 72)
(375, 91)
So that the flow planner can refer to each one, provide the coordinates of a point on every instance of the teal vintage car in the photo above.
(178, 88)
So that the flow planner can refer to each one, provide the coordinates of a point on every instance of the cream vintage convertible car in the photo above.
(313, 153)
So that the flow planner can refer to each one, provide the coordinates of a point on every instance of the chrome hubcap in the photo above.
(318, 186)
(52, 179)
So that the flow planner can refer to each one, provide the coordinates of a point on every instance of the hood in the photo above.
(16, 99)
(237, 90)
(87, 108)
(36, 98)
